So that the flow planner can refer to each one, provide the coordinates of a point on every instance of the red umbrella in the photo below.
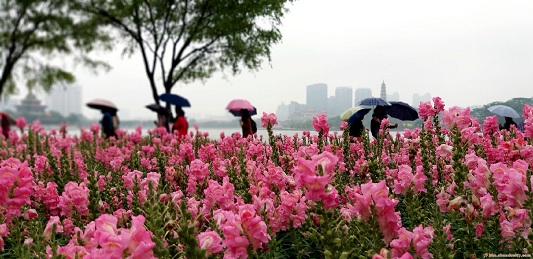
(101, 104)
(239, 104)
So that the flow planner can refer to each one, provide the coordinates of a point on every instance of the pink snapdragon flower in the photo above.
(74, 197)
(21, 123)
(422, 238)
(426, 110)
(268, 120)
(4, 232)
(320, 123)
(53, 221)
(210, 241)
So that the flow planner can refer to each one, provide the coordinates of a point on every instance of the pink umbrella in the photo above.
(101, 104)
(239, 104)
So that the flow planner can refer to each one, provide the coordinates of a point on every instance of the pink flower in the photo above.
(479, 229)
(403, 180)
(320, 123)
(421, 241)
(107, 223)
(210, 241)
(21, 123)
(268, 120)
(425, 110)
(438, 104)
(54, 221)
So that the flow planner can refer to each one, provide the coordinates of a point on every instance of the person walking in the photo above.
(377, 116)
(109, 122)
(246, 123)
(508, 122)
(180, 124)
(356, 129)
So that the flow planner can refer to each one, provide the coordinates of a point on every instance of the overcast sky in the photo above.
(467, 52)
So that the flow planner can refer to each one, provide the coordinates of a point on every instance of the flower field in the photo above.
(455, 188)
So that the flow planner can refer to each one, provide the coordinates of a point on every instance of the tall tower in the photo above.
(383, 94)
(317, 97)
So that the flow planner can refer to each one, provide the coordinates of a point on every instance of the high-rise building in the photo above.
(317, 97)
(361, 94)
(383, 93)
(343, 99)
(282, 112)
(65, 100)
(417, 99)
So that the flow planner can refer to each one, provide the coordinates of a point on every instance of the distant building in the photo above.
(317, 97)
(361, 94)
(65, 100)
(295, 107)
(343, 99)
(30, 105)
(394, 97)
(420, 98)
(383, 93)
(282, 112)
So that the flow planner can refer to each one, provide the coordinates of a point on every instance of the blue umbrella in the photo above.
(401, 111)
(374, 101)
(358, 114)
(175, 100)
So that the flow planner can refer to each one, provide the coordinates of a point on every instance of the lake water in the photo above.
(213, 133)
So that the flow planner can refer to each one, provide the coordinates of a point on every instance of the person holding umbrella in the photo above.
(355, 121)
(377, 116)
(109, 122)
(180, 124)
(508, 122)
(246, 123)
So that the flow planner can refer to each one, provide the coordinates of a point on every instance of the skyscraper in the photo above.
(317, 97)
(343, 99)
(362, 93)
(383, 94)
(65, 100)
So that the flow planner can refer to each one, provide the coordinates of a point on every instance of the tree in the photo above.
(187, 40)
(33, 32)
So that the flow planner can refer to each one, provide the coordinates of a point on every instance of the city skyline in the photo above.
(468, 53)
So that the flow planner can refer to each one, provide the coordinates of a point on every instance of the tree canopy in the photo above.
(34, 32)
(188, 40)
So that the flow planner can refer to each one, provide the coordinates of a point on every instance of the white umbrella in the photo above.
(101, 104)
(350, 111)
(504, 110)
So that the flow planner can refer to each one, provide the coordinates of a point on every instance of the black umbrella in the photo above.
(401, 111)
(175, 99)
(238, 113)
(157, 108)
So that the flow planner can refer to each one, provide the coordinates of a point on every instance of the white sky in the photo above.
(467, 52)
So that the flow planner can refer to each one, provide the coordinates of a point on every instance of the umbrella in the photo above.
(157, 108)
(504, 110)
(373, 101)
(238, 113)
(361, 111)
(401, 111)
(349, 112)
(175, 100)
(239, 104)
(102, 104)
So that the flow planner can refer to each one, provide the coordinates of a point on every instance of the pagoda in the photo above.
(30, 105)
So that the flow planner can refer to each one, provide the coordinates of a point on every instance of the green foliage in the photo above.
(34, 32)
(185, 41)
